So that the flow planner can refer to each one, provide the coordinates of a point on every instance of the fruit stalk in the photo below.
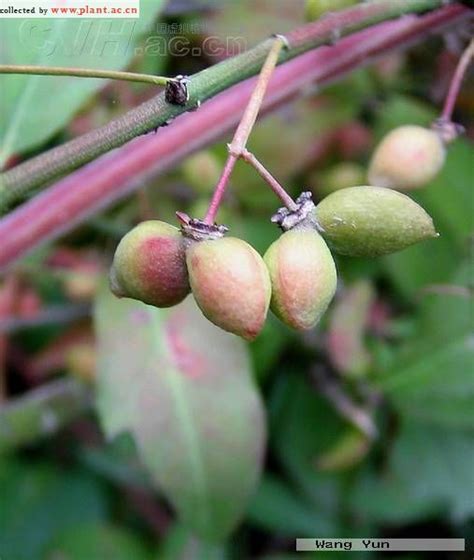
(278, 189)
(245, 127)
(456, 82)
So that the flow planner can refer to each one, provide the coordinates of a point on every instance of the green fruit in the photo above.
(371, 221)
(303, 277)
(230, 283)
(407, 158)
(149, 265)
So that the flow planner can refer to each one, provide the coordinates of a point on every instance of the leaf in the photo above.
(430, 471)
(38, 501)
(33, 108)
(412, 269)
(400, 110)
(433, 377)
(268, 347)
(448, 198)
(439, 386)
(179, 544)
(303, 426)
(436, 464)
(383, 498)
(97, 541)
(183, 388)
(278, 509)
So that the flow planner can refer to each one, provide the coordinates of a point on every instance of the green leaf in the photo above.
(183, 388)
(268, 347)
(304, 426)
(278, 509)
(448, 198)
(430, 470)
(433, 378)
(384, 498)
(38, 501)
(439, 386)
(179, 544)
(413, 268)
(400, 110)
(99, 43)
(97, 541)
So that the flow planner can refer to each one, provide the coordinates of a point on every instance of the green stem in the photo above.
(18, 181)
(83, 73)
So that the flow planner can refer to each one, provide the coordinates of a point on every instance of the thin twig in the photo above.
(245, 127)
(83, 73)
(220, 189)
(447, 290)
(456, 82)
(146, 503)
(332, 389)
(52, 315)
(278, 189)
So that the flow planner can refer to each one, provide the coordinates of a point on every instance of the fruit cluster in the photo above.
(234, 286)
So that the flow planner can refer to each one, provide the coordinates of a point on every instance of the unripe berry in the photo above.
(371, 221)
(303, 277)
(149, 265)
(230, 283)
(408, 157)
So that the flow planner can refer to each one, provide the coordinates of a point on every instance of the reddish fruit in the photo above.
(407, 158)
(149, 265)
(230, 283)
(303, 277)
